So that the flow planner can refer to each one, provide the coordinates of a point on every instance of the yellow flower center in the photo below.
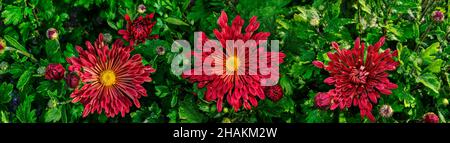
(232, 63)
(108, 77)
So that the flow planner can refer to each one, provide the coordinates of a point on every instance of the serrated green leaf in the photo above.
(25, 113)
(23, 80)
(53, 115)
(172, 116)
(189, 114)
(431, 81)
(435, 67)
(428, 53)
(286, 84)
(12, 15)
(161, 91)
(5, 91)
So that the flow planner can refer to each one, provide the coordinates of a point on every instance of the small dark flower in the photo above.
(54, 71)
(52, 34)
(430, 117)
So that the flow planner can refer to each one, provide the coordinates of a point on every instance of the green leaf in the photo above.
(24, 112)
(427, 53)
(53, 115)
(431, 81)
(189, 114)
(4, 115)
(435, 67)
(23, 80)
(52, 49)
(14, 43)
(84, 3)
(112, 25)
(175, 21)
(172, 116)
(13, 15)
(5, 91)
(286, 84)
(174, 101)
(70, 51)
(48, 10)
(161, 91)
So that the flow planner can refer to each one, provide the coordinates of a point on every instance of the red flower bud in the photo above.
(72, 80)
(52, 34)
(54, 71)
(430, 117)
(141, 8)
(438, 16)
(275, 93)
(322, 100)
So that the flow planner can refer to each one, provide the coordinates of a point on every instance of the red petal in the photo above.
(318, 64)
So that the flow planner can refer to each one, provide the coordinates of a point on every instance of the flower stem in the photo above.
(25, 53)
(422, 37)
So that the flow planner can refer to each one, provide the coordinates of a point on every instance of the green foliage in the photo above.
(25, 113)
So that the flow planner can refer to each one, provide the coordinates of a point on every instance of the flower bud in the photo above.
(72, 80)
(160, 50)
(314, 22)
(445, 102)
(225, 110)
(226, 120)
(52, 34)
(107, 38)
(438, 16)
(41, 70)
(386, 111)
(2, 46)
(322, 100)
(275, 93)
(430, 117)
(141, 8)
(3, 66)
(54, 72)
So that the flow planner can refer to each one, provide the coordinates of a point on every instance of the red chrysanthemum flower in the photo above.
(359, 78)
(239, 89)
(112, 78)
(139, 29)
